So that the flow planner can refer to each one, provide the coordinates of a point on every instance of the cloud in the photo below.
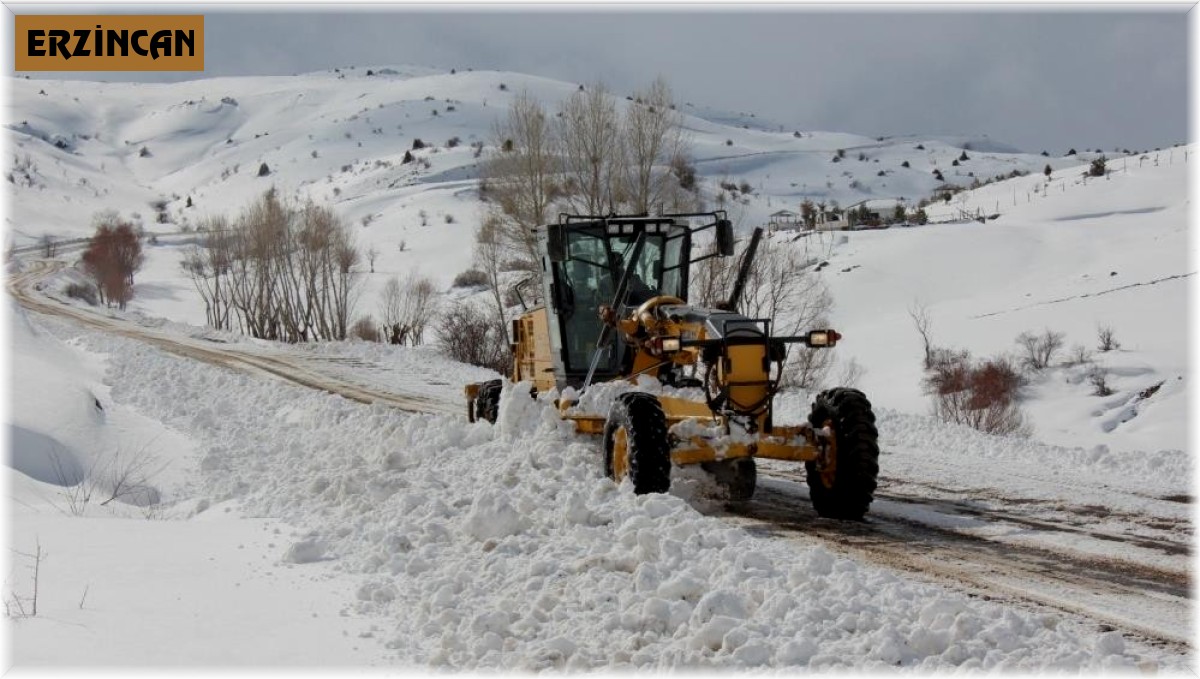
(1036, 79)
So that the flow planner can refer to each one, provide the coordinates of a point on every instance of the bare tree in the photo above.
(113, 254)
(207, 263)
(850, 374)
(920, 317)
(1107, 338)
(467, 334)
(711, 279)
(372, 254)
(407, 308)
(520, 175)
(1079, 355)
(424, 307)
(489, 258)
(653, 139)
(1098, 377)
(282, 272)
(1038, 351)
(589, 135)
(593, 160)
(390, 310)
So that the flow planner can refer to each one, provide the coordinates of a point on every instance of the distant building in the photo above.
(785, 220)
(878, 211)
(832, 220)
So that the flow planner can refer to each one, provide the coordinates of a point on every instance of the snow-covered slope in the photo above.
(1070, 258)
(339, 137)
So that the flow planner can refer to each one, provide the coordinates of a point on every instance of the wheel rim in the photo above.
(620, 454)
(829, 469)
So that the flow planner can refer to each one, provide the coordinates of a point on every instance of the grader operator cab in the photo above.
(612, 308)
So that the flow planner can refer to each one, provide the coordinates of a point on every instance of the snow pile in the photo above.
(502, 546)
(598, 399)
(1162, 470)
(66, 431)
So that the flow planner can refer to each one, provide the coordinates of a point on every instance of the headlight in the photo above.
(670, 344)
(822, 338)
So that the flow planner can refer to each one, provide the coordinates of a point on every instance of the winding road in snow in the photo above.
(301, 370)
(991, 544)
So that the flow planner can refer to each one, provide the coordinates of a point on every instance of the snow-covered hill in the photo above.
(339, 138)
(1071, 257)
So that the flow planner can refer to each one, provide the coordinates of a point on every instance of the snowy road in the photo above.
(932, 539)
(1109, 556)
(309, 372)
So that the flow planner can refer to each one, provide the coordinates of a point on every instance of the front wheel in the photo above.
(636, 445)
(844, 486)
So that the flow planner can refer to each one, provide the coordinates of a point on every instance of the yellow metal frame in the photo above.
(531, 350)
(795, 444)
(471, 391)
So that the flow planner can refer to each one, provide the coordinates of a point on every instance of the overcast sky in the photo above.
(1032, 78)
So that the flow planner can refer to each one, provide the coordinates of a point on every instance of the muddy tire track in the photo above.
(23, 288)
(1144, 601)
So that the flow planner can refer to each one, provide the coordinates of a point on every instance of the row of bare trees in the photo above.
(590, 158)
(279, 271)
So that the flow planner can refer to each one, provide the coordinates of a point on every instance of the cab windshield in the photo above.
(596, 260)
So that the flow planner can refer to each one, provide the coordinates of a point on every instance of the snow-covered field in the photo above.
(270, 524)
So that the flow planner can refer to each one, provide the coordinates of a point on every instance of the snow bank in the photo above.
(503, 547)
(64, 429)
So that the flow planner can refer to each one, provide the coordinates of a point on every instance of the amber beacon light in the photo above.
(125, 42)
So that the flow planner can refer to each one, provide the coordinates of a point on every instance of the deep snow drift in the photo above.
(498, 546)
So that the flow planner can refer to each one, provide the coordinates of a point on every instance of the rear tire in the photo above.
(738, 476)
(647, 447)
(857, 464)
(487, 401)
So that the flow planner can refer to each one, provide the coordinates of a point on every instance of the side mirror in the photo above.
(725, 237)
(556, 243)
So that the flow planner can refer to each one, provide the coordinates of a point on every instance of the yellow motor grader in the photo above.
(610, 307)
